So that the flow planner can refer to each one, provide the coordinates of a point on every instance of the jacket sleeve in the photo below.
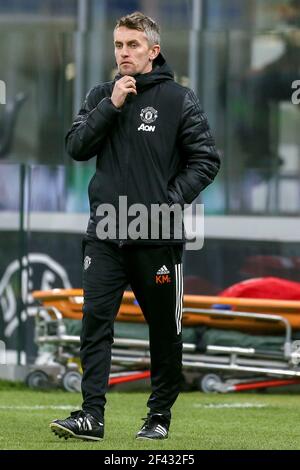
(201, 161)
(90, 127)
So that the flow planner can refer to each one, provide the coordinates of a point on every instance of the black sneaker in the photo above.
(156, 427)
(80, 425)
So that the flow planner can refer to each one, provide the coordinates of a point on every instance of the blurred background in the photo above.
(240, 57)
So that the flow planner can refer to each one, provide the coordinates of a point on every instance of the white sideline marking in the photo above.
(38, 407)
(231, 405)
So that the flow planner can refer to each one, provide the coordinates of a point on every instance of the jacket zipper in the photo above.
(127, 153)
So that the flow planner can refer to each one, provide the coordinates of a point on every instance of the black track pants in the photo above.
(155, 276)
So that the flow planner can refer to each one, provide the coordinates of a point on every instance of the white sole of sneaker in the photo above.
(151, 438)
(60, 431)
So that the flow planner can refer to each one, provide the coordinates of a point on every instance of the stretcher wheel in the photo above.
(209, 383)
(71, 381)
(37, 379)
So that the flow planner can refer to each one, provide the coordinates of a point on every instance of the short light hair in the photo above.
(141, 22)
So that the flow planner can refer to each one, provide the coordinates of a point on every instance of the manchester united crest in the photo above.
(87, 262)
(149, 115)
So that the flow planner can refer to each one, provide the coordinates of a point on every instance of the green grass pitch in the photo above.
(200, 421)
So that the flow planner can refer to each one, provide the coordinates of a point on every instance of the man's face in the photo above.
(132, 51)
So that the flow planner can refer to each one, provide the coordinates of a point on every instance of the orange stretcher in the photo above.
(219, 368)
(69, 302)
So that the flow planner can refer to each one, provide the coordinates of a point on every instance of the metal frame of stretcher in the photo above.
(238, 368)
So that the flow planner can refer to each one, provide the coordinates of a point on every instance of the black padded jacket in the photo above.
(156, 149)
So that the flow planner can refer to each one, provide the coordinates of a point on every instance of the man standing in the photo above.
(153, 146)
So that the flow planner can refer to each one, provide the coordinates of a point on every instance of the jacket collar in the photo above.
(161, 72)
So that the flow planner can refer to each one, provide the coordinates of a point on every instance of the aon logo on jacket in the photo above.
(146, 127)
